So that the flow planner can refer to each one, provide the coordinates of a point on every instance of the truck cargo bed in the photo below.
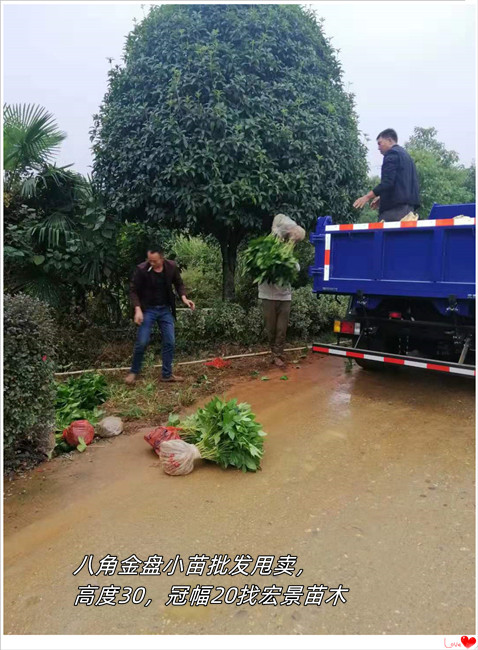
(433, 258)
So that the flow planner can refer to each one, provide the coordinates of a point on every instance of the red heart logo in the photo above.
(468, 642)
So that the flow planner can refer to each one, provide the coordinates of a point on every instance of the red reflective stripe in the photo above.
(327, 258)
(445, 222)
(408, 224)
(316, 348)
(433, 366)
(400, 362)
(346, 226)
(375, 226)
(357, 355)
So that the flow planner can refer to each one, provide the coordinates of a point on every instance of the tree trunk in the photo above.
(229, 258)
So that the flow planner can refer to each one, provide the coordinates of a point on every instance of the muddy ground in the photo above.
(367, 478)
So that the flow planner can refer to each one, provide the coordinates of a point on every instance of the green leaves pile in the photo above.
(225, 433)
(269, 259)
(78, 398)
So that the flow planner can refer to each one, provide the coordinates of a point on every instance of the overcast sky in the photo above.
(408, 63)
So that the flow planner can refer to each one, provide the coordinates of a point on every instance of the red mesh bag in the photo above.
(160, 435)
(218, 363)
(79, 429)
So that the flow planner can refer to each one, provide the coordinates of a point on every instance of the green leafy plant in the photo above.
(78, 399)
(226, 433)
(269, 259)
(29, 392)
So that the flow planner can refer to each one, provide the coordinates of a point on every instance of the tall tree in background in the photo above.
(223, 115)
(442, 178)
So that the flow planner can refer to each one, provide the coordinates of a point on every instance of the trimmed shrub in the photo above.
(29, 391)
(310, 315)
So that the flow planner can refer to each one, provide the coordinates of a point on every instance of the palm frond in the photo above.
(38, 285)
(54, 228)
(31, 137)
(29, 185)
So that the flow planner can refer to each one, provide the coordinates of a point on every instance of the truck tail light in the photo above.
(346, 327)
(395, 314)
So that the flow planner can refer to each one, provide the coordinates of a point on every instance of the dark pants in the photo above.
(164, 318)
(396, 213)
(276, 317)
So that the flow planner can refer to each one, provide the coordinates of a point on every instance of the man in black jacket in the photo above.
(397, 194)
(151, 292)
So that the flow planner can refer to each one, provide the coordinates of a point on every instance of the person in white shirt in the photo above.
(276, 300)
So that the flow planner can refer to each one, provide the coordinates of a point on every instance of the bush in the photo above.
(201, 268)
(224, 322)
(29, 391)
(310, 315)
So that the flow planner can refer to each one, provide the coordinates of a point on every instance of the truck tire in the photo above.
(376, 344)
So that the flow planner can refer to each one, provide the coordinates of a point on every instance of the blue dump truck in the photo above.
(411, 286)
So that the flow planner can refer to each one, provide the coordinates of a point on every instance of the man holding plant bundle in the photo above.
(151, 292)
(277, 296)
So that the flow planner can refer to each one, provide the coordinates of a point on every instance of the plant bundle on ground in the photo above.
(78, 399)
(226, 433)
(177, 457)
(269, 259)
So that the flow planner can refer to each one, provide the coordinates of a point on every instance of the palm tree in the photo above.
(31, 140)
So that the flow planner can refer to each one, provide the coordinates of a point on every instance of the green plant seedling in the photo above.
(82, 445)
(284, 377)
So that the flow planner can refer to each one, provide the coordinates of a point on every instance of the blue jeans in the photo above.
(165, 321)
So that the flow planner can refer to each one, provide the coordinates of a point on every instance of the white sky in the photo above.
(408, 63)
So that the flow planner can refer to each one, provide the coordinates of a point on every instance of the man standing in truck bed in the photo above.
(397, 194)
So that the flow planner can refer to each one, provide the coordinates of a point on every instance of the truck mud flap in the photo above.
(396, 359)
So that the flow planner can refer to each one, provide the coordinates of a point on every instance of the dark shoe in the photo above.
(173, 378)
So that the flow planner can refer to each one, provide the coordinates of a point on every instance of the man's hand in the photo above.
(138, 315)
(363, 200)
(375, 202)
(188, 303)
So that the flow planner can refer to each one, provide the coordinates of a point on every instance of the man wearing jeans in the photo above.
(151, 292)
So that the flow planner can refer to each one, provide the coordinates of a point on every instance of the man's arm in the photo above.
(388, 176)
(134, 297)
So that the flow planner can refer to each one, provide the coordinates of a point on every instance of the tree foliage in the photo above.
(58, 239)
(31, 140)
(441, 176)
(222, 116)
(28, 365)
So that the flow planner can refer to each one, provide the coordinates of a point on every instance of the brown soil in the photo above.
(367, 478)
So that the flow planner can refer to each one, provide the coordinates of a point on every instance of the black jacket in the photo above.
(142, 288)
(399, 181)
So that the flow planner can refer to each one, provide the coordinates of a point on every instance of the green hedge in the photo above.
(29, 393)
(224, 322)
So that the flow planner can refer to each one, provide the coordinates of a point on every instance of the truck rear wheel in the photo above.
(374, 343)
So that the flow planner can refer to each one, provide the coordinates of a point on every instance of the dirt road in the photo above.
(367, 479)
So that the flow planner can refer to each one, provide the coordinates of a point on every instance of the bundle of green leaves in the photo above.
(226, 433)
(269, 259)
(78, 398)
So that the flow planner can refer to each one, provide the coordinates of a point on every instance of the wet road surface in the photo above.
(368, 478)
